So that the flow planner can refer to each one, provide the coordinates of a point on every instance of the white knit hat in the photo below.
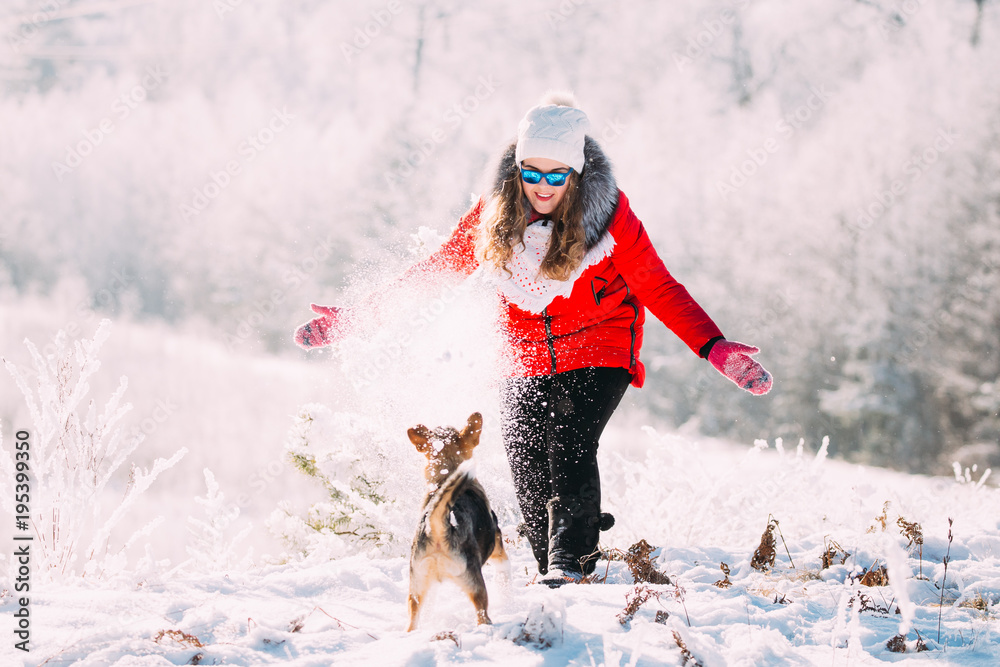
(553, 131)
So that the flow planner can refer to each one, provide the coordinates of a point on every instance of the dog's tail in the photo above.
(439, 504)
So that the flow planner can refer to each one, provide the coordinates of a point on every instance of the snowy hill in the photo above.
(701, 502)
(822, 176)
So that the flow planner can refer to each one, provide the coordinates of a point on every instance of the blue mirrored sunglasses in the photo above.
(555, 179)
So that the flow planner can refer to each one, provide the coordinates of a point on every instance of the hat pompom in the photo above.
(562, 98)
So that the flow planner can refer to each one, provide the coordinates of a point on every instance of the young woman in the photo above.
(575, 271)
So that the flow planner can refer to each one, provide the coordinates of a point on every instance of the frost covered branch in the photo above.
(76, 454)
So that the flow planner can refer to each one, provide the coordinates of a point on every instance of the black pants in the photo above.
(551, 428)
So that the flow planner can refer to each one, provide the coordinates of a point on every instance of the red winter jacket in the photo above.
(600, 323)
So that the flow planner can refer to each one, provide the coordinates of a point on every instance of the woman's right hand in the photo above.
(328, 328)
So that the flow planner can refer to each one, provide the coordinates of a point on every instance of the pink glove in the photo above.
(733, 360)
(323, 330)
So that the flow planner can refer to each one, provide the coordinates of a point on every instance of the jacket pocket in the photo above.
(597, 287)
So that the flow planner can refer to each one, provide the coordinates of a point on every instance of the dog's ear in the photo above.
(474, 427)
(420, 436)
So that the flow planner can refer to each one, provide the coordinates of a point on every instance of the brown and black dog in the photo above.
(458, 531)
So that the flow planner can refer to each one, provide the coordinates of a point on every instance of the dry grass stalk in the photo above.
(297, 624)
(867, 604)
(679, 594)
(911, 531)
(446, 635)
(833, 552)
(689, 659)
(978, 602)
(179, 637)
(764, 555)
(593, 579)
(542, 629)
(634, 599)
(882, 519)
(947, 557)
(898, 644)
(723, 583)
(783, 543)
(639, 563)
(875, 576)
(526, 637)
(914, 533)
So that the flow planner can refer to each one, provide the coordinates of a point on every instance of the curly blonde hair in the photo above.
(506, 216)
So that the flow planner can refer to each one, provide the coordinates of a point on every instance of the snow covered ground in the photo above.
(702, 502)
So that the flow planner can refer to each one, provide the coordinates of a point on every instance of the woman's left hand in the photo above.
(733, 360)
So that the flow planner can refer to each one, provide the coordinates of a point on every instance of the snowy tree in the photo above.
(75, 455)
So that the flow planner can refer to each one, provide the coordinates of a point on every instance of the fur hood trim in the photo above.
(597, 186)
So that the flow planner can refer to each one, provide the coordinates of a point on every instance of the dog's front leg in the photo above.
(413, 602)
(419, 583)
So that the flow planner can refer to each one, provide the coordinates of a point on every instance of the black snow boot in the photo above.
(574, 528)
(538, 538)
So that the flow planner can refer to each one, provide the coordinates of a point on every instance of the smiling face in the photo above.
(544, 198)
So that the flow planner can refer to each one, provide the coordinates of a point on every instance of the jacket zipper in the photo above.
(635, 318)
(549, 338)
